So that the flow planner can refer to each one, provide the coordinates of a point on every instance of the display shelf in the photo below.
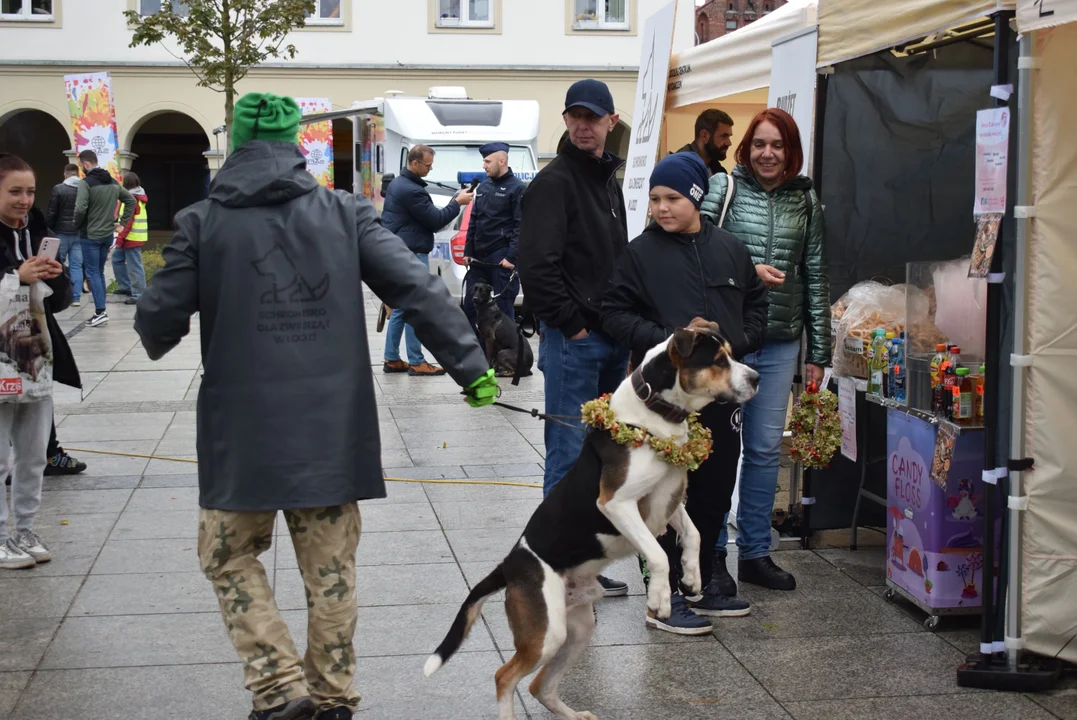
(921, 414)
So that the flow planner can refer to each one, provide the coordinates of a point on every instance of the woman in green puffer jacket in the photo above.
(772, 208)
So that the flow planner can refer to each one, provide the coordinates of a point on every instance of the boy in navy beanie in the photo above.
(679, 268)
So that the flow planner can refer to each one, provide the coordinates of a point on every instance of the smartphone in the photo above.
(49, 247)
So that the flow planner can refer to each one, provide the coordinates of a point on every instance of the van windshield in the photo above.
(451, 159)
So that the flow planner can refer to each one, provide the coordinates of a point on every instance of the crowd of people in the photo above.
(744, 250)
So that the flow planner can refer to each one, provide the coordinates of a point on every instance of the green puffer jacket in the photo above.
(773, 226)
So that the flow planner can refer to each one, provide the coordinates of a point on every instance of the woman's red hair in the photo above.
(787, 128)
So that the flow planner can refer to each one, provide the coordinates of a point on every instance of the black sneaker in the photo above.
(681, 620)
(714, 604)
(122, 291)
(130, 301)
(63, 464)
(299, 709)
(98, 319)
(337, 713)
(721, 581)
(612, 588)
(765, 573)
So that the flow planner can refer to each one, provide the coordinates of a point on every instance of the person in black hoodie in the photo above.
(572, 230)
(680, 268)
(25, 419)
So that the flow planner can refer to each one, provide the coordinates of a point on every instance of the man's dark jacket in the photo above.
(274, 265)
(495, 218)
(410, 214)
(664, 280)
(715, 166)
(61, 217)
(572, 231)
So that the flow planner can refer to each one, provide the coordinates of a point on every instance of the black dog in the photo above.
(507, 351)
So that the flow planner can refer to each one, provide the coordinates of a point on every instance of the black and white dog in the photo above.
(507, 350)
(613, 502)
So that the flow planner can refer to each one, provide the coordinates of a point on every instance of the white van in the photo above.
(455, 126)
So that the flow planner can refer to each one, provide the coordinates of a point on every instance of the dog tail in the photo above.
(469, 612)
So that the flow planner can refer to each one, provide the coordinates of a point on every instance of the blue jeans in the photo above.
(94, 255)
(71, 250)
(130, 275)
(763, 423)
(396, 326)
(574, 371)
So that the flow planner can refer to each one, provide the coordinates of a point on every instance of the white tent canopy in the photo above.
(737, 62)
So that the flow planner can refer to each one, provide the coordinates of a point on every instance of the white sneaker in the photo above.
(12, 557)
(98, 319)
(76, 303)
(30, 543)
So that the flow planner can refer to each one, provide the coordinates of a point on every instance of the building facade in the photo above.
(350, 50)
(716, 18)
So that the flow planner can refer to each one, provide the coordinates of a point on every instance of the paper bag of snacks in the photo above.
(856, 315)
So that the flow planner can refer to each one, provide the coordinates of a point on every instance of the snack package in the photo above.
(856, 315)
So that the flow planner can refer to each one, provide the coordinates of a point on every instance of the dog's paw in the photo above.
(658, 600)
(691, 579)
(586, 715)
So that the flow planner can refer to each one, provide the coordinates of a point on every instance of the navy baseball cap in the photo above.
(490, 148)
(591, 94)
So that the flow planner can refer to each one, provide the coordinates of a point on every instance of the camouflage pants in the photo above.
(325, 541)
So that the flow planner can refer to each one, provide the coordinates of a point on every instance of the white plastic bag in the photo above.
(857, 314)
(25, 345)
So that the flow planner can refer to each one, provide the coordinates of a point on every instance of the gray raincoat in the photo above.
(274, 264)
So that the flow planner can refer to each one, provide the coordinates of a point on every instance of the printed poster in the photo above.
(847, 414)
(984, 249)
(316, 140)
(93, 118)
(992, 156)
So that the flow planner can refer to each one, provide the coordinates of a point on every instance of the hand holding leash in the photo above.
(484, 391)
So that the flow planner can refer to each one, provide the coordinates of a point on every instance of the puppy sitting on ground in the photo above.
(505, 347)
(613, 502)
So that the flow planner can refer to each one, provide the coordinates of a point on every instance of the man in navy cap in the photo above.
(493, 232)
(572, 231)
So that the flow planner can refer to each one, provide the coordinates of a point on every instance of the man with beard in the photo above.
(714, 136)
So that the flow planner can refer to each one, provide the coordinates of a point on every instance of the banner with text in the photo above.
(792, 84)
(647, 115)
(316, 140)
(1039, 14)
(93, 118)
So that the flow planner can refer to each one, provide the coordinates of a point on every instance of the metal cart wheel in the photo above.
(889, 594)
(932, 622)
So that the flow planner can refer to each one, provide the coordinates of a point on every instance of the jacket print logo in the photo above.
(288, 284)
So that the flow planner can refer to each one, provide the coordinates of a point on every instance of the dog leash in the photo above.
(533, 412)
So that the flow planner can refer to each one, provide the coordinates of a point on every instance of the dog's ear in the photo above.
(681, 345)
(706, 326)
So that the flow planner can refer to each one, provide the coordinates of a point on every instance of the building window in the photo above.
(730, 24)
(465, 13)
(28, 10)
(601, 15)
(152, 7)
(326, 12)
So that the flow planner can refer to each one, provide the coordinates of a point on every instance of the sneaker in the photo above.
(612, 588)
(30, 543)
(681, 620)
(299, 709)
(122, 291)
(131, 301)
(394, 366)
(336, 713)
(76, 303)
(63, 464)
(765, 573)
(425, 369)
(98, 319)
(714, 604)
(12, 557)
(721, 580)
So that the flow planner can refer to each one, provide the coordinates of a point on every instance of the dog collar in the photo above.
(654, 401)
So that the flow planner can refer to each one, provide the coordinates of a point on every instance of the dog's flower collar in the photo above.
(690, 455)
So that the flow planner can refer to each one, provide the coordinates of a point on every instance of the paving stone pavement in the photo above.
(122, 624)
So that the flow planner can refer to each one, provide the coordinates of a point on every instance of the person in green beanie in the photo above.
(275, 264)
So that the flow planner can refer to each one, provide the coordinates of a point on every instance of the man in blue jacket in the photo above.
(493, 232)
(410, 214)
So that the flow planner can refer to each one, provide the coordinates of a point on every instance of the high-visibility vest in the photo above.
(140, 228)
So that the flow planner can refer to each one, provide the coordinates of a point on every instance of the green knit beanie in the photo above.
(263, 116)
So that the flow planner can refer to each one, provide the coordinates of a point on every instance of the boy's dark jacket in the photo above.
(64, 370)
(663, 280)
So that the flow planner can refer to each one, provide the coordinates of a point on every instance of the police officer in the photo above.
(493, 232)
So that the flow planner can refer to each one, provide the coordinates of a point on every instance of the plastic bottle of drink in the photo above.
(955, 356)
(897, 370)
(878, 365)
(963, 392)
(936, 377)
(978, 415)
(949, 384)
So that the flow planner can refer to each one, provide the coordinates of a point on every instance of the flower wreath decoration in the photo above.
(689, 455)
(816, 428)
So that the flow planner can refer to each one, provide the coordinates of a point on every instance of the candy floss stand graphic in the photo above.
(316, 140)
(934, 529)
(93, 117)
